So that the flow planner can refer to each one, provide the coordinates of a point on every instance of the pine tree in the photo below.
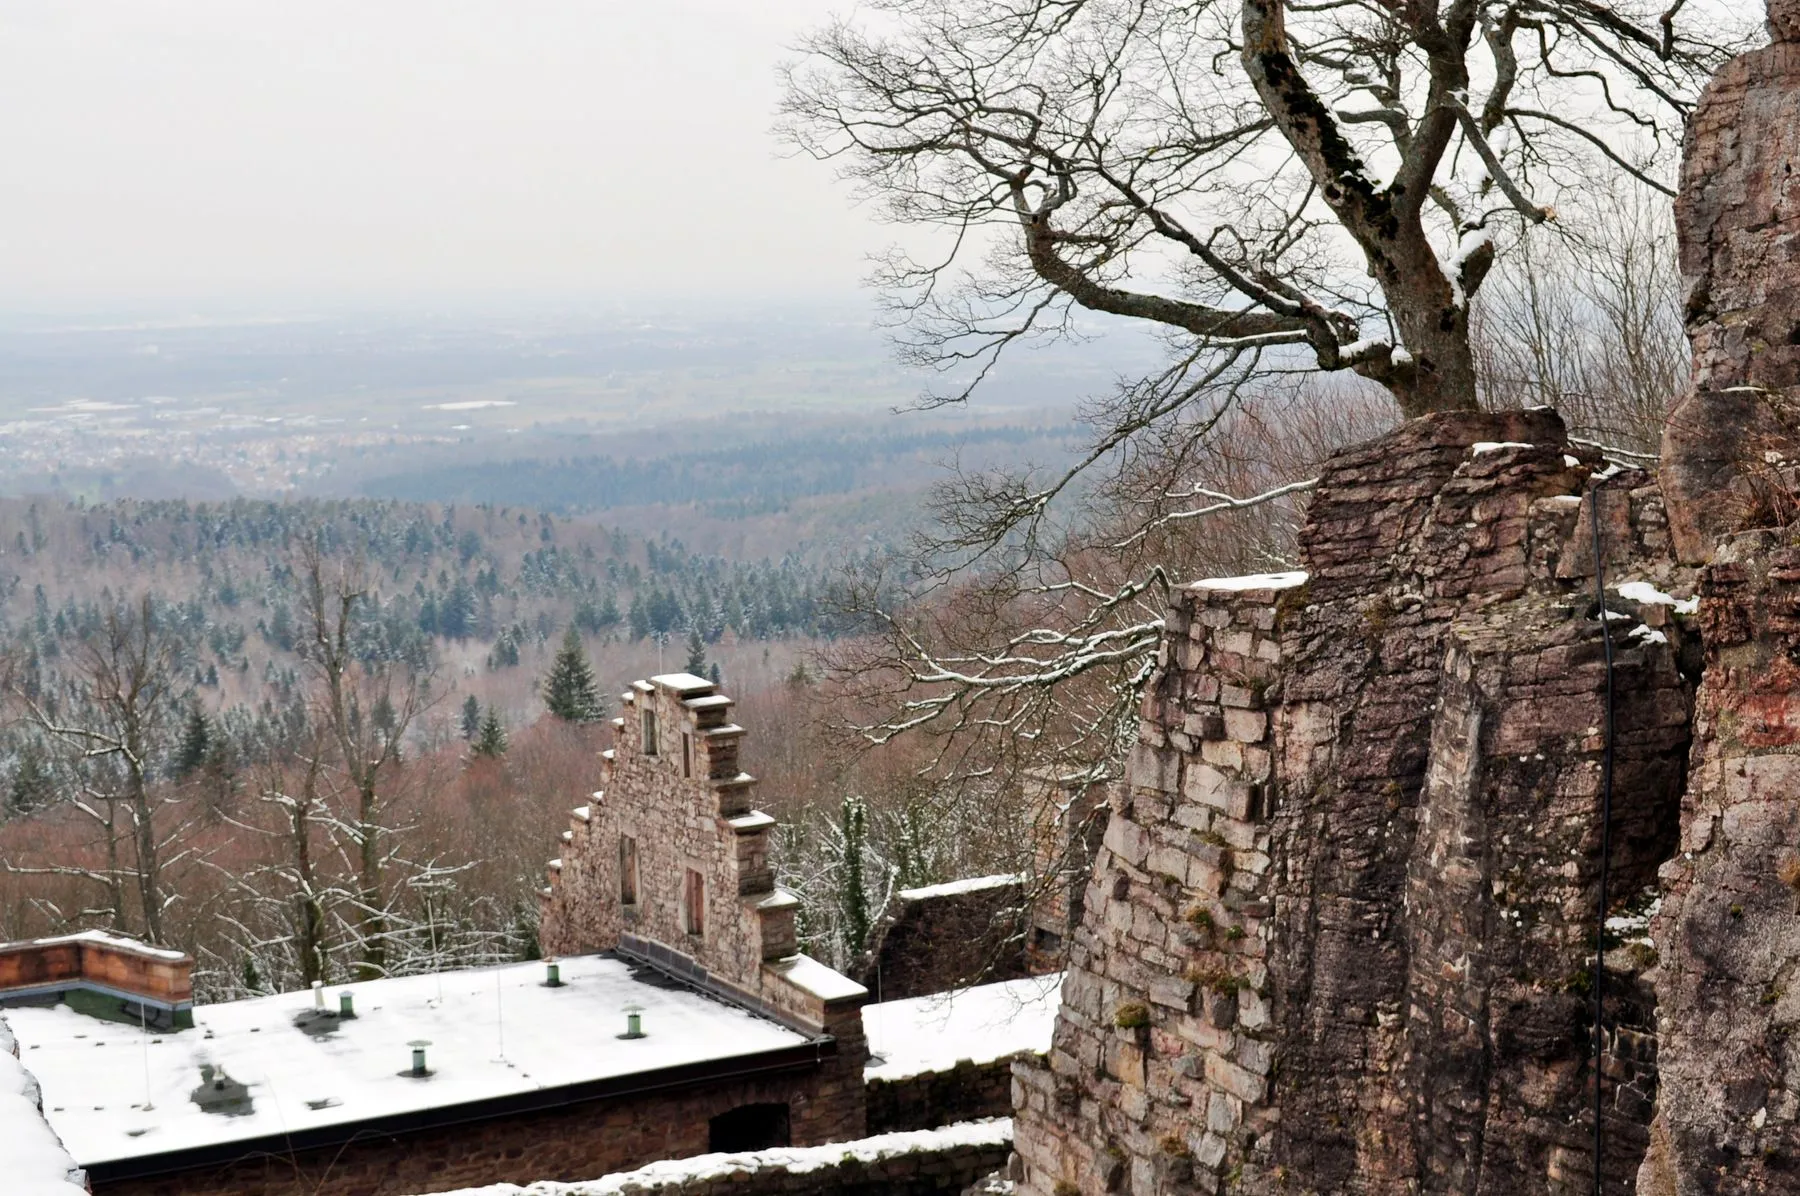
(471, 717)
(34, 785)
(696, 661)
(491, 742)
(853, 893)
(196, 744)
(568, 687)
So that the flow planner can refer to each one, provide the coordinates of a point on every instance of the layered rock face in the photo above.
(1729, 979)
(1339, 935)
(1730, 448)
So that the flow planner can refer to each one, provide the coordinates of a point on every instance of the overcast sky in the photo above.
(383, 150)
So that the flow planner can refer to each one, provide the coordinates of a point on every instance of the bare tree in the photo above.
(1279, 189)
(365, 707)
(112, 724)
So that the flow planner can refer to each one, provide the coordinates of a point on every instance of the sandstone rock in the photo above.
(1390, 812)
(1730, 443)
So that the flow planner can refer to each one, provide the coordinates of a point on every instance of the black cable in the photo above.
(1606, 788)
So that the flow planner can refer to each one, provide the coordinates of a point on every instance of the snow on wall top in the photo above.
(981, 1024)
(31, 1158)
(969, 884)
(797, 1160)
(1253, 581)
(114, 941)
(493, 1032)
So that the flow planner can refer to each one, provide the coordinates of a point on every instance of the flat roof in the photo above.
(493, 1033)
(980, 1024)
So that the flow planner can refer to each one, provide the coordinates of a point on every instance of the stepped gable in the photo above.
(1339, 933)
(669, 865)
(1728, 981)
(1731, 445)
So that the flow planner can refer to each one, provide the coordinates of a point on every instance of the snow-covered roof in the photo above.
(969, 884)
(32, 1160)
(981, 1024)
(674, 1174)
(493, 1032)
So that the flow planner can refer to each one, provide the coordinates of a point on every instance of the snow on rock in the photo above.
(1645, 594)
(1252, 581)
(981, 1024)
(1483, 447)
(798, 1160)
(32, 1158)
(970, 884)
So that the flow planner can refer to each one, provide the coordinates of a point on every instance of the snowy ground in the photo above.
(980, 1024)
(492, 1032)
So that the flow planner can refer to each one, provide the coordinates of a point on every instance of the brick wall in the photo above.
(130, 967)
(673, 791)
(572, 1143)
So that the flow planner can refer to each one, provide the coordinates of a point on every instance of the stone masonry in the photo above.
(1339, 935)
(670, 863)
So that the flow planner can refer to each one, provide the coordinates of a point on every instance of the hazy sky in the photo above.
(377, 150)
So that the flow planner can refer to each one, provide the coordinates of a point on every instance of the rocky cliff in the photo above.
(1340, 933)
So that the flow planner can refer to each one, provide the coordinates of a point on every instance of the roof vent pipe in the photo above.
(318, 987)
(346, 1006)
(553, 975)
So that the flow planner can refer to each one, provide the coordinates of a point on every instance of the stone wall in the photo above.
(967, 1092)
(930, 1163)
(1339, 935)
(675, 812)
(949, 936)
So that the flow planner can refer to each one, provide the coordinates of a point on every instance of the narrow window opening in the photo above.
(687, 754)
(628, 870)
(693, 904)
(649, 732)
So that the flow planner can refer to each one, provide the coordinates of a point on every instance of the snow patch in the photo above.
(1483, 447)
(970, 884)
(1253, 581)
(31, 1157)
(1645, 594)
(981, 1024)
(796, 1160)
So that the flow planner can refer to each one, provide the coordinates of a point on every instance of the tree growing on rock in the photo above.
(1302, 201)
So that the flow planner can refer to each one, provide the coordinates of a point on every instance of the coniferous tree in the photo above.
(491, 742)
(569, 689)
(696, 658)
(34, 785)
(853, 892)
(196, 744)
(471, 717)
